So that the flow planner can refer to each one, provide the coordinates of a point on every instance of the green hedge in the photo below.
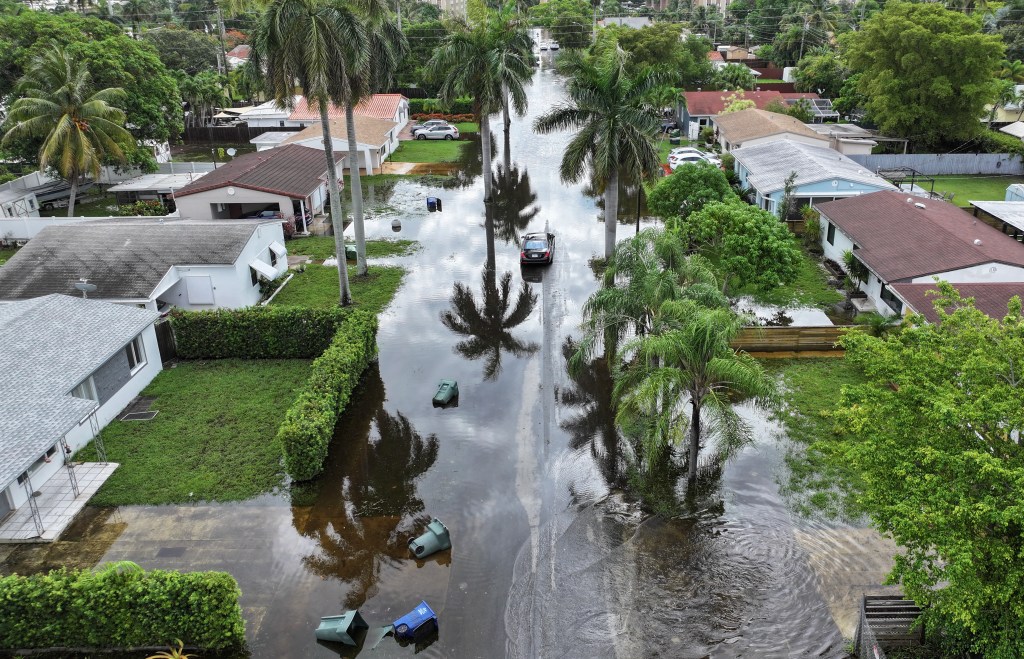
(269, 332)
(120, 606)
(428, 105)
(309, 424)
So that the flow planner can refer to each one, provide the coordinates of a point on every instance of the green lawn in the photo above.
(98, 206)
(467, 126)
(429, 151)
(317, 287)
(988, 187)
(214, 438)
(6, 253)
(209, 153)
(322, 247)
(810, 288)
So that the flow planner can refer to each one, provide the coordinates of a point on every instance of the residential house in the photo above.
(378, 138)
(155, 263)
(153, 187)
(717, 60)
(238, 55)
(16, 202)
(70, 367)
(990, 299)
(393, 107)
(451, 7)
(702, 107)
(821, 174)
(635, 22)
(847, 139)
(903, 240)
(753, 126)
(290, 181)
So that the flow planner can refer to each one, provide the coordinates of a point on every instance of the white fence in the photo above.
(110, 175)
(946, 163)
(25, 228)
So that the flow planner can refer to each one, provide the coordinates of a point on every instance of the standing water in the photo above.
(549, 558)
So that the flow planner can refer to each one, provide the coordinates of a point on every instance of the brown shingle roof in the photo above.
(369, 130)
(711, 103)
(292, 170)
(990, 299)
(900, 241)
(738, 127)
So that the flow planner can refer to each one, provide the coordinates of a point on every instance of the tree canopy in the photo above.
(689, 189)
(659, 46)
(568, 21)
(926, 71)
(190, 51)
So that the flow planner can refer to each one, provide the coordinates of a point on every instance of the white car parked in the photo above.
(445, 132)
(689, 155)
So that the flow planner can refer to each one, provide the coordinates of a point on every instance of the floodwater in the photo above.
(550, 558)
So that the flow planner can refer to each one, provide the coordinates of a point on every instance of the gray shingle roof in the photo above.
(770, 163)
(125, 259)
(48, 346)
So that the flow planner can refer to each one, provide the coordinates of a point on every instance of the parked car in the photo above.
(538, 248)
(428, 124)
(265, 214)
(445, 132)
(689, 155)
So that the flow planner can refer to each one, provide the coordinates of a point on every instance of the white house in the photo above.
(289, 181)
(904, 240)
(70, 367)
(15, 202)
(155, 263)
(393, 107)
(377, 139)
(821, 174)
(753, 126)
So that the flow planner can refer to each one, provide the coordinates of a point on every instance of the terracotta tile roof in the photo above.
(990, 299)
(715, 56)
(900, 241)
(241, 51)
(379, 106)
(738, 127)
(292, 170)
(369, 130)
(711, 103)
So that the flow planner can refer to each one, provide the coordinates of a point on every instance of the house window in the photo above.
(891, 300)
(281, 123)
(830, 236)
(136, 354)
(86, 390)
(273, 257)
(254, 276)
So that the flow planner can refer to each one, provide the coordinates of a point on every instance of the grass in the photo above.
(317, 287)
(213, 440)
(467, 126)
(97, 206)
(6, 253)
(429, 151)
(810, 288)
(322, 247)
(205, 152)
(986, 187)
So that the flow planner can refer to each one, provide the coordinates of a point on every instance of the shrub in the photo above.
(427, 105)
(993, 141)
(269, 332)
(308, 426)
(145, 208)
(454, 118)
(120, 606)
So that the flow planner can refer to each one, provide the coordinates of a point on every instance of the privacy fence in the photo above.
(229, 134)
(946, 163)
(795, 339)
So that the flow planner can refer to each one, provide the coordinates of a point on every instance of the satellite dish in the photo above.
(86, 288)
(232, 151)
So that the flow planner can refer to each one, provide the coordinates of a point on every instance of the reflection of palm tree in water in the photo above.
(514, 201)
(594, 423)
(367, 508)
(487, 327)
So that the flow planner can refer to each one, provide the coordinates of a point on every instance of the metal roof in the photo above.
(769, 164)
(1011, 212)
(156, 182)
(126, 259)
(48, 346)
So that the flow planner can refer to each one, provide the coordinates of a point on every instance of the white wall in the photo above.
(83, 433)
(367, 153)
(198, 206)
(985, 273)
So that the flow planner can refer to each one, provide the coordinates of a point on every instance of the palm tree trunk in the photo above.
(337, 209)
(485, 146)
(74, 193)
(489, 229)
(504, 109)
(611, 212)
(507, 154)
(691, 476)
(357, 191)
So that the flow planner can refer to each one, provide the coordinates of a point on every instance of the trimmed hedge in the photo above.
(428, 105)
(454, 118)
(308, 425)
(120, 606)
(269, 332)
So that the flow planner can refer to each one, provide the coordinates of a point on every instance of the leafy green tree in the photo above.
(136, 11)
(314, 42)
(926, 71)
(821, 73)
(750, 245)
(851, 100)
(1013, 37)
(423, 40)
(568, 21)
(417, 11)
(617, 128)
(190, 51)
(735, 76)
(660, 46)
(688, 189)
(79, 127)
(933, 450)
(204, 92)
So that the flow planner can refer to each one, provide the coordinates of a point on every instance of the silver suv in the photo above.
(445, 132)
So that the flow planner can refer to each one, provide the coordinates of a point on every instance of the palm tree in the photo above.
(79, 128)
(486, 62)
(204, 94)
(135, 11)
(617, 127)
(1011, 70)
(514, 47)
(1006, 92)
(321, 44)
(386, 47)
(691, 362)
(821, 15)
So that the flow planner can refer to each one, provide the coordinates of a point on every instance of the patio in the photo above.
(56, 503)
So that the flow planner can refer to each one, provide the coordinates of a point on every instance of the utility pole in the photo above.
(223, 50)
(398, 3)
(802, 35)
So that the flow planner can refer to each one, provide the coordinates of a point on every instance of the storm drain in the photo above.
(170, 552)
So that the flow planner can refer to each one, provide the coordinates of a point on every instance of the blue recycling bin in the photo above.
(433, 204)
(422, 619)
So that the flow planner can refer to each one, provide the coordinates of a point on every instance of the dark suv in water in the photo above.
(538, 248)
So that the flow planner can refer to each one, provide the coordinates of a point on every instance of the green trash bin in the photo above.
(341, 629)
(447, 391)
(434, 540)
(350, 252)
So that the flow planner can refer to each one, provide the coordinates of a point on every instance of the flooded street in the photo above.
(549, 558)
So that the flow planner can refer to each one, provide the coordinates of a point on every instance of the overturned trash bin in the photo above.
(433, 204)
(447, 391)
(396, 225)
(350, 252)
(420, 621)
(435, 539)
(340, 629)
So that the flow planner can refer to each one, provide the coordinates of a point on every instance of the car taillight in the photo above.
(522, 255)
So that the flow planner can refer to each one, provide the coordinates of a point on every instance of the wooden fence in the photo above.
(240, 134)
(795, 339)
(165, 340)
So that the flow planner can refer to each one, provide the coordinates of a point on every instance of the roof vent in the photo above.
(920, 205)
(910, 200)
(977, 241)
